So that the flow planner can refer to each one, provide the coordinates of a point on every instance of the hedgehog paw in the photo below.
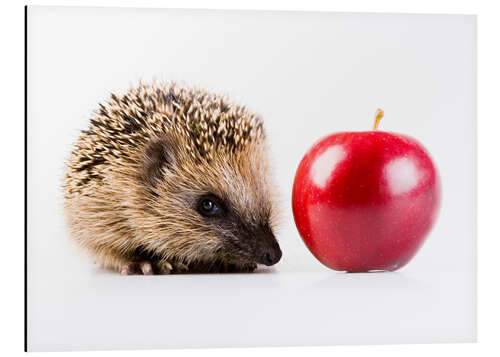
(164, 267)
(132, 268)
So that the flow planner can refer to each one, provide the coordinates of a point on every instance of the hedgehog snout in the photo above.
(267, 251)
(269, 255)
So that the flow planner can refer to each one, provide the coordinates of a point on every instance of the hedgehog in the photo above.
(170, 178)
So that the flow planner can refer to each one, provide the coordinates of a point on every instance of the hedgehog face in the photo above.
(220, 208)
(243, 238)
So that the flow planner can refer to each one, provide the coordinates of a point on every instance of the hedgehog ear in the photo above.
(160, 154)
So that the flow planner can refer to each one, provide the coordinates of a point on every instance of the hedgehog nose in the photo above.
(271, 256)
(267, 250)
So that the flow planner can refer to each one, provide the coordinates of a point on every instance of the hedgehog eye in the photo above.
(208, 207)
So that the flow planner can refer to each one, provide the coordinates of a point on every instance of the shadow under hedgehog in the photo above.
(169, 178)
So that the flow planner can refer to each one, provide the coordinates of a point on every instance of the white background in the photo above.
(488, 175)
(307, 74)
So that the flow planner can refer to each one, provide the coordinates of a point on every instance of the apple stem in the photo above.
(378, 115)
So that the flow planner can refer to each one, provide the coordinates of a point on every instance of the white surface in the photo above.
(105, 311)
(308, 75)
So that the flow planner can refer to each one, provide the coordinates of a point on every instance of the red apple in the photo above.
(365, 201)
